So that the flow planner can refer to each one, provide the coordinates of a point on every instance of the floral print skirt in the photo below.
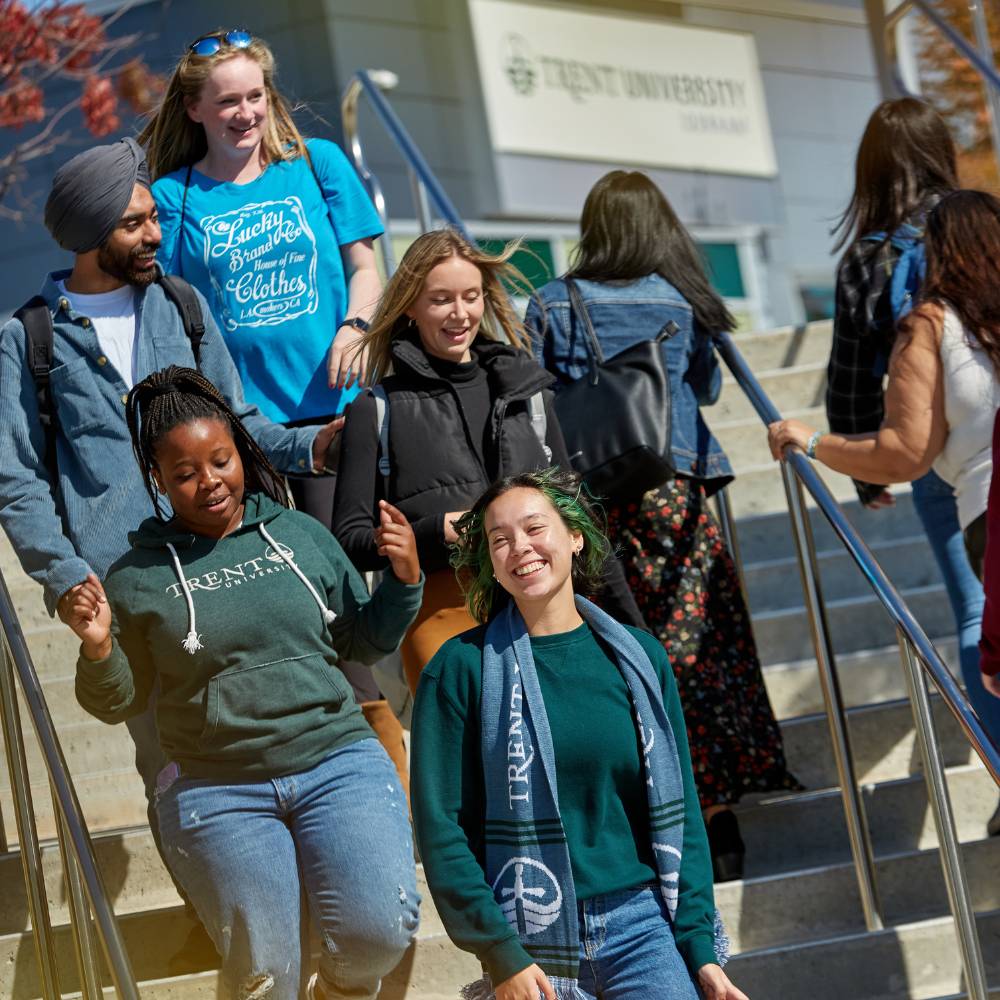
(685, 583)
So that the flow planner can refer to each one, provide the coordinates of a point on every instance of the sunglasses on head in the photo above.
(208, 45)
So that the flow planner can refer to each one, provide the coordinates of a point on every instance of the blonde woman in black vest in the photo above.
(454, 363)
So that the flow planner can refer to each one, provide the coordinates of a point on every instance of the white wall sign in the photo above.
(621, 89)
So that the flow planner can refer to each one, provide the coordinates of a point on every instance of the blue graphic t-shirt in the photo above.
(267, 257)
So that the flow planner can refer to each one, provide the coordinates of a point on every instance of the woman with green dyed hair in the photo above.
(555, 806)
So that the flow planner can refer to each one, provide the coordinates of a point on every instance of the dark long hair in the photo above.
(963, 265)
(906, 155)
(628, 230)
(175, 396)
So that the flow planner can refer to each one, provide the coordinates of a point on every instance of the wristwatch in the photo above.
(357, 322)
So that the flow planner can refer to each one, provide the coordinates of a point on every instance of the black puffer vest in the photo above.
(434, 467)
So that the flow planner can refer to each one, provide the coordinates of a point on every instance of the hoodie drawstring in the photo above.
(328, 615)
(193, 641)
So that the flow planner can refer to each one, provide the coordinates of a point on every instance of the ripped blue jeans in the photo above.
(248, 852)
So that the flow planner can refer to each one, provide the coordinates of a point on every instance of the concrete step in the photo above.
(110, 800)
(915, 961)
(431, 968)
(816, 903)
(800, 387)
(807, 830)
(775, 584)
(882, 740)
(759, 490)
(759, 913)
(28, 602)
(745, 441)
(867, 676)
(768, 536)
(786, 347)
(90, 747)
(855, 624)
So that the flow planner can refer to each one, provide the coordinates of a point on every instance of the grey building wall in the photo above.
(821, 86)
(818, 76)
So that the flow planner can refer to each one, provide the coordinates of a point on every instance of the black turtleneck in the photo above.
(469, 381)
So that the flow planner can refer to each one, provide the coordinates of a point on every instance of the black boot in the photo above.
(726, 845)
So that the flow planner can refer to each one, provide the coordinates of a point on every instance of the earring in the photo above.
(411, 324)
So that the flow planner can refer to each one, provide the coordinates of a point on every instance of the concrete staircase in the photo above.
(795, 920)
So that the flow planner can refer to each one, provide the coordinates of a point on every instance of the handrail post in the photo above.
(728, 524)
(349, 122)
(62, 788)
(27, 832)
(854, 809)
(421, 203)
(79, 914)
(944, 821)
(982, 29)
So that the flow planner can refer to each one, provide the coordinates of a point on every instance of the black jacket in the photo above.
(438, 463)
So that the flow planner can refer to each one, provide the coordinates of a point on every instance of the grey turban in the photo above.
(91, 192)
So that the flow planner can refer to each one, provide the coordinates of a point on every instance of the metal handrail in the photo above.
(902, 617)
(427, 189)
(87, 892)
(981, 58)
(919, 657)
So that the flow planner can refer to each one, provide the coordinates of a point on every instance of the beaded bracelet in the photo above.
(812, 443)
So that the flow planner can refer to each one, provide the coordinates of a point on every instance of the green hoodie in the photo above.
(262, 696)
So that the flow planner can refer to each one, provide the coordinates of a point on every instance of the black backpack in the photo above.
(36, 319)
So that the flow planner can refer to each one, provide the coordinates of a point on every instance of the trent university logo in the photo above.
(529, 895)
(519, 65)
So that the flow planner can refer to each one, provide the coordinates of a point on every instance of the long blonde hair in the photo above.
(499, 322)
(172, 140)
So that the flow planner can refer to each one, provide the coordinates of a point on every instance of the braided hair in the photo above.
(176, 396)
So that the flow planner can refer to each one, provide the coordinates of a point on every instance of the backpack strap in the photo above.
(539, 422)
(378, 393)
(184, 298)
(36, 319)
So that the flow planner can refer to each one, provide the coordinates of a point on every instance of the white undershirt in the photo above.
(113, 316)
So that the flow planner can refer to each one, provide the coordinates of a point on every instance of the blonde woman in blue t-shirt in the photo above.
(276, 231)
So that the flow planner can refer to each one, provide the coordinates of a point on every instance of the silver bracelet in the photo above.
(812, 443)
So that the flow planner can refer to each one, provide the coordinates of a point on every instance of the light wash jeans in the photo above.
(627, 949)
(247, 852)
(934, 501)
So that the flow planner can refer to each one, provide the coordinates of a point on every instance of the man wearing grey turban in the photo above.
(91, 192)
(111, 325)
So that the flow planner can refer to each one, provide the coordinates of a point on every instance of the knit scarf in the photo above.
(526, 855)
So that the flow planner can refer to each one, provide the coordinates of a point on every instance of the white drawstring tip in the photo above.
(329, 616)
(192, 643)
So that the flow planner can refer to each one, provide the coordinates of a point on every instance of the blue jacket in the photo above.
(102, 496)
(623, 315)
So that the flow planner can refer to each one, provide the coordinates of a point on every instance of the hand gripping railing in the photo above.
(85, 886)
(919, 658)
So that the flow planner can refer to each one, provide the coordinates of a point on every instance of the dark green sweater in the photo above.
(602, 796)
(264, 696)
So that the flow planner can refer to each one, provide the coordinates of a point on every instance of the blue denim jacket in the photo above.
(623, 315)
(100, 486)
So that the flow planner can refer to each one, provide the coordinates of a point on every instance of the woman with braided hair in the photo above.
(240, 609)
